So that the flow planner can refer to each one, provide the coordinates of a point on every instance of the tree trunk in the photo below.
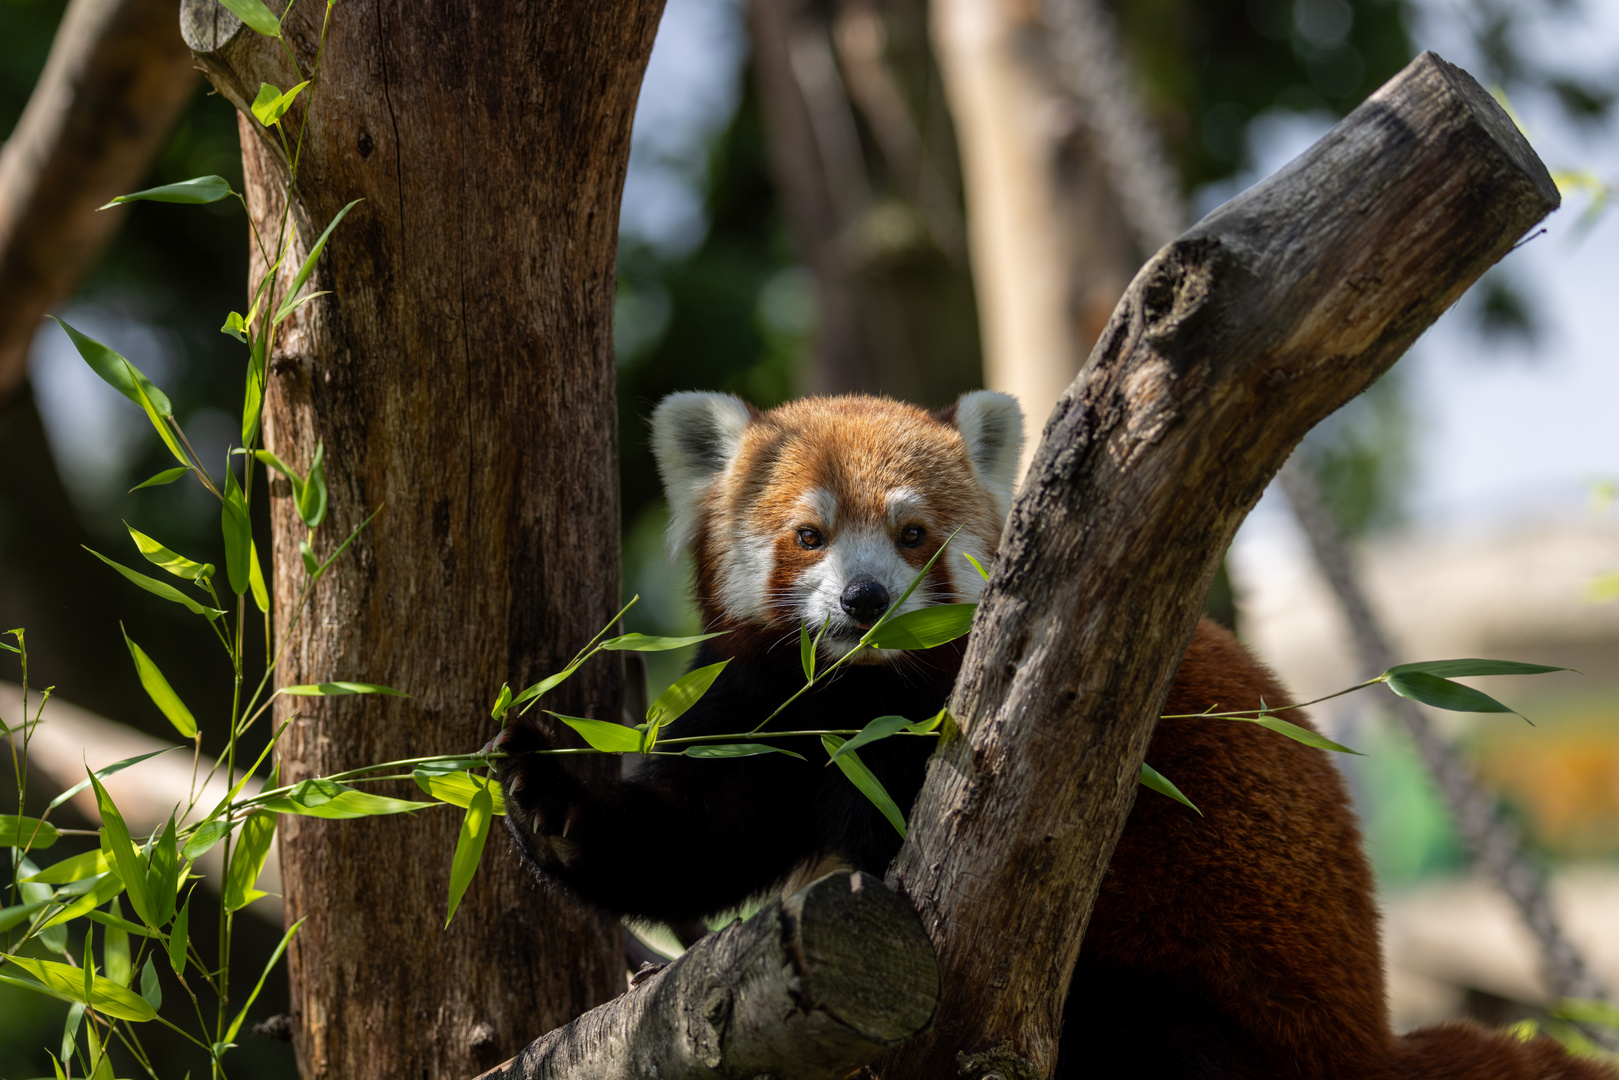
(1231, 344)
(811, 987)
(460, 377)
(116, 79)
(1053, 240)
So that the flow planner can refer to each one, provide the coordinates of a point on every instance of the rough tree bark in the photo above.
(1228, 346)
(811, 987)
(115, 81)
(461, 377)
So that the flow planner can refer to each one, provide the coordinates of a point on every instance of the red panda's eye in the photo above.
(809, 538)
(911, 536)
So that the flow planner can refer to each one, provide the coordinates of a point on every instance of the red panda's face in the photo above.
(823, 511)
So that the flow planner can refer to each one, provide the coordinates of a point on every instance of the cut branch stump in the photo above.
(810, 988)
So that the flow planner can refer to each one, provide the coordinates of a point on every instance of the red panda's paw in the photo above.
(539, 792)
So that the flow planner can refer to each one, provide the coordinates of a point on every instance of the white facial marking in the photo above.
(822, 508)
(901, 503)
(744, 567)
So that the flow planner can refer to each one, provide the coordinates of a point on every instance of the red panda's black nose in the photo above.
(865, 600)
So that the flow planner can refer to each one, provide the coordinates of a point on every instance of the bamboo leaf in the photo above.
(469, 848)
(205, 837)
(235, 326)
(236, 1025)
(880, 728)
(503, 703)
(255, 15)
(272, 104)
(75, 868)
(976, 565)
(338, 689)
(607, 737)
(1444, 694)
(682, 694)
(312, 499)
(544, 686)
(67, 982)
(653, 643)
(31, 832)
(17, 913)
(1157, 781)
(865, 781)
(160, 556)
(328, 799)
(164, 874)
(922, 727)
(160, 588)
(118, 372)
(248, 860)
(924, 628)
(255, 580)
(151, 989)
(115, 952)
(125, 858)
(736, 750)
(1303, 735)
(102, 889)
(237, 528)
(806, 652)
(195, 192)
(167, 476)
(458, 786)
(179, 937)
(158, 689)
(309, 263)
(1452, 669)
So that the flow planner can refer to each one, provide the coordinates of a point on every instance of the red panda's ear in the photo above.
(991, 424)
(695, 436)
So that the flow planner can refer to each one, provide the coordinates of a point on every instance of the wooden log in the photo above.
(116, 79)
(810, 988)
(1229, 345)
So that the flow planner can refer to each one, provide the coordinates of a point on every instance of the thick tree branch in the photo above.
(1230, 344)
(117, 76)
(810, 988)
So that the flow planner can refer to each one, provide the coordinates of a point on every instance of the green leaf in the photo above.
(806, 651)
(255, 15)
(167, 476)
(104, 772)
(18, 831)
(976, 566)
(736, 750)
(924, 628)
(1444, 694)
(248, 860)
(922, 727)
(338, 689)
(160, 556)
(70, 1033)
(118, 372)
(125, 859)
(205, 837)
(151, 990)
(269, 966)
(75, 868)
(683, 693)
(120, 923)
(1303, 735)
(604, 736)
(235, 326)
(328, 799)
(312, 499)
(115, 952)
(458, 786)
(865, 780)
(67, 982)
(253, 384)
(880, 728)
(1451, 669)
(163, 876)
(469, 848)
(311, 563)
(1157, 781)
(255, 580)
(160, 588)
(503, 703)
(15, 914)
(179, 937)
(917, 580)
(195, 192)
(309, 263)
(652, 643)
(267, 458)
(237, 528)
(544, 686)
(103, 889)
(158, 689)
(271, 104)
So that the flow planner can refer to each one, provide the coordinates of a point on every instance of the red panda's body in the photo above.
(1242, 943)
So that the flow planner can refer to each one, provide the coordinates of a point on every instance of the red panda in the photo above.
(1241, 943)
